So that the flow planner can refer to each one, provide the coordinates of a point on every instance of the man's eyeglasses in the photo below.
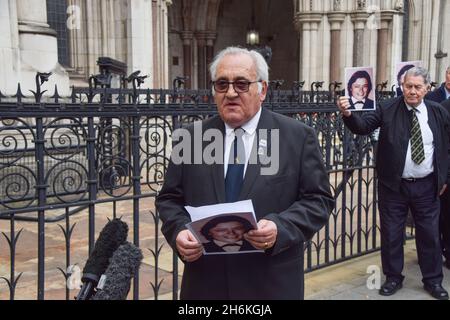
(240, 86)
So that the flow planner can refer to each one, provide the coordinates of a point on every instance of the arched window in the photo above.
(57, 19)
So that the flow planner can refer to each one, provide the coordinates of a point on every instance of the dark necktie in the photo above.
(417, 149)
(236, 165)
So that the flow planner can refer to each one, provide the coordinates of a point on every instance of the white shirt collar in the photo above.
(421, 108)
(447, 93)
(249, 127)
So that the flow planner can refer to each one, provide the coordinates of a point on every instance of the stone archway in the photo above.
(204, 27)
(275, 22)
(191, 39)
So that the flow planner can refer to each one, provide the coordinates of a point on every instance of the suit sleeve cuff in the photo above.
(285, 239)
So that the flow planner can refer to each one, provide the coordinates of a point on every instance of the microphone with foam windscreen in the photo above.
(111, 237)
(116, 281)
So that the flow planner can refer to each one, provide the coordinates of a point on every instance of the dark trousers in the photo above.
(445, 224)
(420, 197)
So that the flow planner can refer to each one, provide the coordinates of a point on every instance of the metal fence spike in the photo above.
(73, 95)
(19, 95)
(56, 95)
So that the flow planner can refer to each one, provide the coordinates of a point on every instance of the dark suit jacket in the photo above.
(368, 104)
(446, 105)
(297, 199)
(438, 95)
(394, 119)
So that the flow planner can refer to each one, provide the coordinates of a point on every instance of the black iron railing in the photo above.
(102, 153)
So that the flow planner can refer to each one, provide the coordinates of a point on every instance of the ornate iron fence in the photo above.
(69, 164)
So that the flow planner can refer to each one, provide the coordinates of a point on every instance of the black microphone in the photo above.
(111, 237)
(116, 282)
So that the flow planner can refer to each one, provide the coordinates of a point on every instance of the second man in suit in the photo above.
(413, 170)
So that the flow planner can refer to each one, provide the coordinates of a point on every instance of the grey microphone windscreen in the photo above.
(111, 237)
(123, 265)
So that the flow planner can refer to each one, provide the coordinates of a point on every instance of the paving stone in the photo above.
(348, 281)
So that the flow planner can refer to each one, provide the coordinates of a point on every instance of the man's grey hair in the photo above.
(419, 72)
(262, 69)
(448, 69)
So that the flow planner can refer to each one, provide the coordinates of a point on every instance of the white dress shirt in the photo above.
(248, 138)
(412, 169)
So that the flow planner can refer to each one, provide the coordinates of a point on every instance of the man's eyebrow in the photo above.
(234, 79)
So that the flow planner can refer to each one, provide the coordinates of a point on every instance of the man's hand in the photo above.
(188, 247)
(443, 190)
(264, 237)
(343, 103)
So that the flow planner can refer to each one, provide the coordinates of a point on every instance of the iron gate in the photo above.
(69, 164)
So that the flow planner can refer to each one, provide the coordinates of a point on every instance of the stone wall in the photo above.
(132, 31)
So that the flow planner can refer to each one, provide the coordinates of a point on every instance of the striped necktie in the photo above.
(417, 149)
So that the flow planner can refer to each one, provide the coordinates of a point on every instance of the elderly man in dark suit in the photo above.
(413, 170)
(291, 203)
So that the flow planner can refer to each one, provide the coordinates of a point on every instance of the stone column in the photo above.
(38, 47)
(160, 37)
(210, 38)
(140, 42)
(382, 47)
(396, 44)
(336, 19)
(187, 37)
(201, 60)
(426, 36)
(315, 48)
(36, 35)
(77, 37)
(9, 48)
(305, 54)
(308, 24)
(359, 19)
(32, 16)
(165, 34)
(157, 38)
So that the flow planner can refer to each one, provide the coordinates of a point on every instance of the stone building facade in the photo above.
(312, 40)
(66, 37)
